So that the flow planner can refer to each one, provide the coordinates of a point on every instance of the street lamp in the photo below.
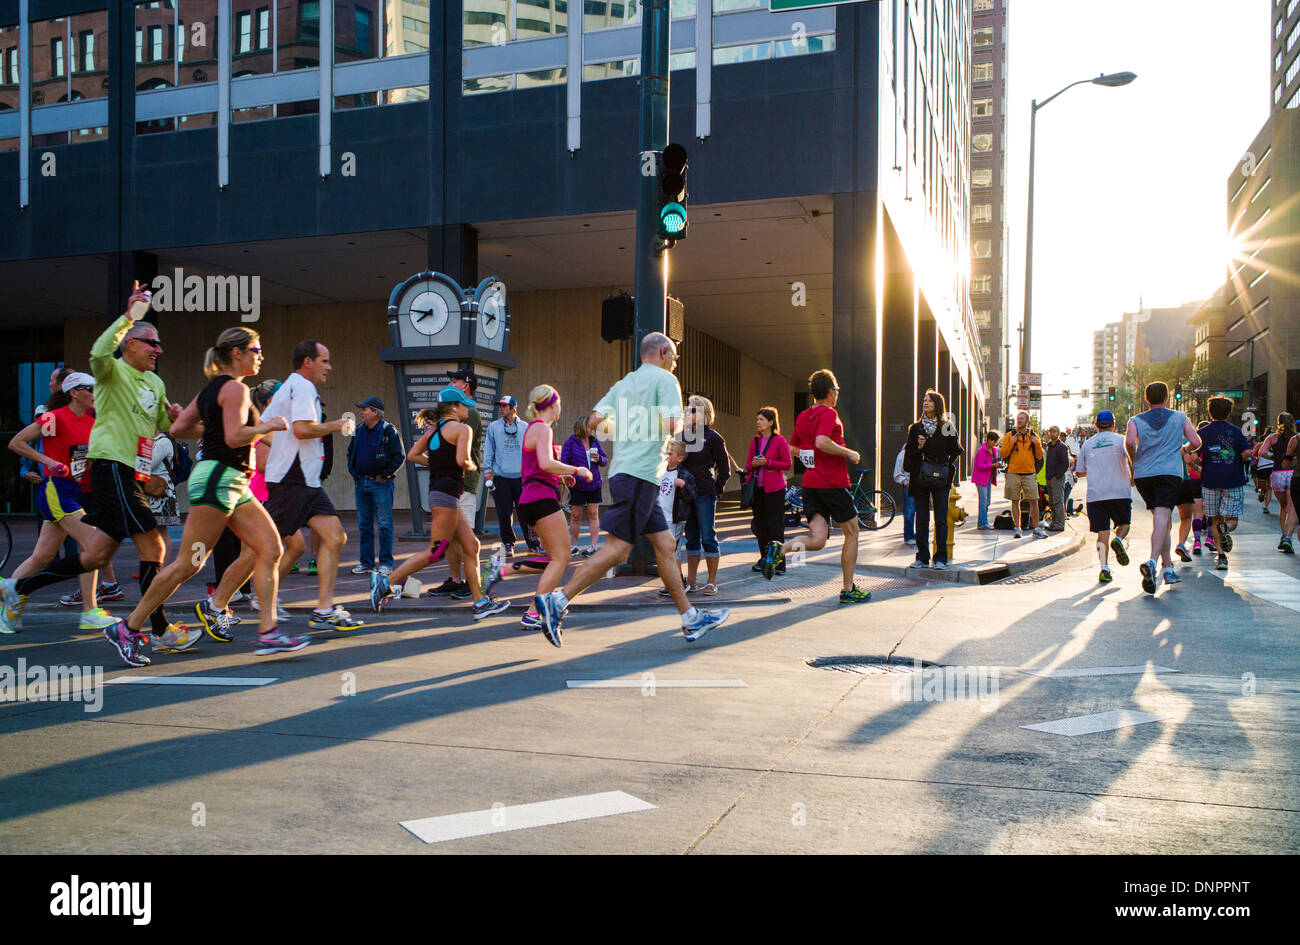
(1112, 80)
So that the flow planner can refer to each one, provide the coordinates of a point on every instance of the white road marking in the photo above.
(501, 819)
(656, 683)
(194, 680)
(1096, 671)
(1265, 583)
(1091, 724)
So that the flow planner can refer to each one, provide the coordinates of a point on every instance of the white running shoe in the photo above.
(96, 620)
(178, 637)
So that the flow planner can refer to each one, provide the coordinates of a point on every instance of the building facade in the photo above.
(333, 150)
(1284, 48)
(990, 265)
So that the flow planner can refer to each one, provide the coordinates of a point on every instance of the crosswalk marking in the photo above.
(656, 683)
(1091, 724)
(501, 818)
(1265, 583)
(1096, 671)
(194, 680)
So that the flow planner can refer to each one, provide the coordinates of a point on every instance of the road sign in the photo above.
(1030, 380)
(1234, 394)
(1035, 400)
(777, 6)
(1022, 399)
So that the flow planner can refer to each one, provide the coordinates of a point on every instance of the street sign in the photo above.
(1022, 399)
(1030, 380)
(1035, 400)
(777, 6)
(1234, 394)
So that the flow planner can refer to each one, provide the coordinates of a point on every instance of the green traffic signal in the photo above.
(673, 162)
(672, 220)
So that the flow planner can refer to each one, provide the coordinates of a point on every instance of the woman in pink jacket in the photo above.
(769, 458)
(985, 475)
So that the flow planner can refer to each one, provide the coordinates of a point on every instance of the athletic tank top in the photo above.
(445, 474)
(214, 428)
(1279, 451)
(538, 484)
(1160, 441)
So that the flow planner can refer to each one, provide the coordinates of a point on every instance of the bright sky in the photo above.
(1130, 197)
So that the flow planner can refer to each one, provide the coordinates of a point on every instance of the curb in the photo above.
(990, 572)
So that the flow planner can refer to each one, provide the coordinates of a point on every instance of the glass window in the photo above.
(983, 36)
(981, 177)
(405, 25)
(982, 107)
(981, 285)
(611, 70)
(1294, 101)
(8, 78)
(263, 23)
(728, 6)
(496, 83)
(244, 32)
(1292, 70)
(804, 47)
(982, 142)
(297, 41)
(983, 72)
(981, 213)
(363, 36)
(56, 55)
(533, 80)
(47, 84)
(752, 52)
(982, 5)
(359, 26)
(981, 249)
(1293, 36)
(196, 48)
(599, 14)
(983, 318)
(536, 18)
(85, 50)
(485, 22)
(250, 56)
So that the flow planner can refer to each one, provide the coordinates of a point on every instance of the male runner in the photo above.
(1103, 460)
(293, 479)
(1223, 478)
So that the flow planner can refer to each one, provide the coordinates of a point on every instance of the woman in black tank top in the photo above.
(219, 493)
(445, 448)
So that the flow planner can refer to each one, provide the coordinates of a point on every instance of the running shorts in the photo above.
(1226, 502)
(533, 512)
(219, 486)
(634, 509)
(292, 505)
(834, 505)
(57, 498)
(1160, 492)
(121, 504)
(1105, 512)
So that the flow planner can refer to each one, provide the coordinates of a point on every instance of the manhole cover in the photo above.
(870, 665)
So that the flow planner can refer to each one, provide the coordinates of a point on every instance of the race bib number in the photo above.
(806, 457)
(143, 458)
(78, 464)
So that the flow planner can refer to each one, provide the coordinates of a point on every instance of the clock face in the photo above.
(493, 314)
(429, 314)
(489, 315)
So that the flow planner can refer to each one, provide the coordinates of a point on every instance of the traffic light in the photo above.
(1110, 394)
(672, 193)
(1178, 391)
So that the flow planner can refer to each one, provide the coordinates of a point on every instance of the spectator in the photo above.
(1056, 464)
(769, 458)
(932, 444)
(707, 461)
(903, 478)
(375, 454)
(583, 449)
(676, 498)
(1023, 451)
(985, 476)
(502, 459)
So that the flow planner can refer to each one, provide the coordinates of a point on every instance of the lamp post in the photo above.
(1111, 80)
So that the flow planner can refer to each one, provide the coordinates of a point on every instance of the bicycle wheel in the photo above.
(6, 543)
(875, 509)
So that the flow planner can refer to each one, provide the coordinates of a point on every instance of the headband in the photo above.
(550, 401)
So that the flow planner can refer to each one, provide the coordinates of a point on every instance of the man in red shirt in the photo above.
(819, 437)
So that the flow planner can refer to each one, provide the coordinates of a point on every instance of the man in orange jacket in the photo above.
(1023, 451)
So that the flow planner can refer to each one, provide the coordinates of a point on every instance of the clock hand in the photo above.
(423, 313)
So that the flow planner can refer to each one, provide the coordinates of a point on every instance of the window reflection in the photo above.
(251, 49)
(8, 79)
(297, 40)
(69, 64)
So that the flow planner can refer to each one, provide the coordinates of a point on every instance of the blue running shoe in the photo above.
(552, 614)
(379, 591)
(706, 621)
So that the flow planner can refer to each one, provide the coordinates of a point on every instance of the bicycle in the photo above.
(6, 543)
(875, 508)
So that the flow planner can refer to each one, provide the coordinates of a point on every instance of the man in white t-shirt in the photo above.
(1109, 471)
(294, 494)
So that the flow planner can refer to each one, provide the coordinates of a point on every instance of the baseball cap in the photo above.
(1105, 418)
(374, 402)
(77, 379)
(507, 401)
(454, 395)
(467, 376)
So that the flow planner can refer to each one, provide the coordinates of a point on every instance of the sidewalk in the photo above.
(883, 564)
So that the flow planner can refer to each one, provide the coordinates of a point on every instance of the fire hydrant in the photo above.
(956, 515)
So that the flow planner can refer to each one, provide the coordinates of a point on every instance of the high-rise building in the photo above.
(1284, 47)
(988, 221)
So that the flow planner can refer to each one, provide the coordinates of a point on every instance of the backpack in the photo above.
(1038, 460)
(1003, 521)
(181, 464)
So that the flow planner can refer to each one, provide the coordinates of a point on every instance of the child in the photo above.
(676, 496)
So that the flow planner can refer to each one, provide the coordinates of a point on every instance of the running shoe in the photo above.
(1121, 553)
(1225, 537)
(93, 621)
(462, 591)
(487, 607)
(1222, 563)
(758, 565)
(232, 618)
(1286, 546)
(277, 641)
(444, 589)
(918, 563)
(1040, 532)
(281, 615)
(588, 551)
(385, 569)
(1104, 576)
(494, 571)
(74, 599)
(574, 552)
(311, 566)
(854, 595)
(1210, 545)
(1017, 534)
(235, 598)
(14, 603)
(177, 638)
(107, 593)
(5, 626)
(552, 614)
(705, 620)
(1182, 553)
(1171, 576)
(530, 621)
(1150, 576)
(379, 591)
(510, 549)
(1196, 547)
(336, 618)
(129, 645)
(294, 569)
(215, 623)
(773, 556)
(941, 565)
(361, 569)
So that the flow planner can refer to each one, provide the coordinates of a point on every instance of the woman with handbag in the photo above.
(932, 446)
(764, 489)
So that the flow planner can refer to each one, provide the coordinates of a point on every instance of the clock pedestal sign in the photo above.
(436, 327)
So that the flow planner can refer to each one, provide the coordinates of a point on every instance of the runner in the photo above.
(818, 435)
(218, 487)
(1154, 440)
(1292, 454)
(132, 407)
(65, 436)
(445, 449)
(1190, 503)
(1263, 470)
(542, 474)
(1223, 478)
(642, 412)
(293, 476)
(1279, 482)
(1110, 490)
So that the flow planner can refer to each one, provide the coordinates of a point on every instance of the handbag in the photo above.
(933, 476)
(747, 490)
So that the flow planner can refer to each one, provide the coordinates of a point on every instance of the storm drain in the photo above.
(870, 665)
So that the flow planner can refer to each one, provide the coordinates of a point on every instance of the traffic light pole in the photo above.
(651, 258)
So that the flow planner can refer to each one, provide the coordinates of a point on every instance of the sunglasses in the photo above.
(254, 350)
(83, 387)
(151, 342)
